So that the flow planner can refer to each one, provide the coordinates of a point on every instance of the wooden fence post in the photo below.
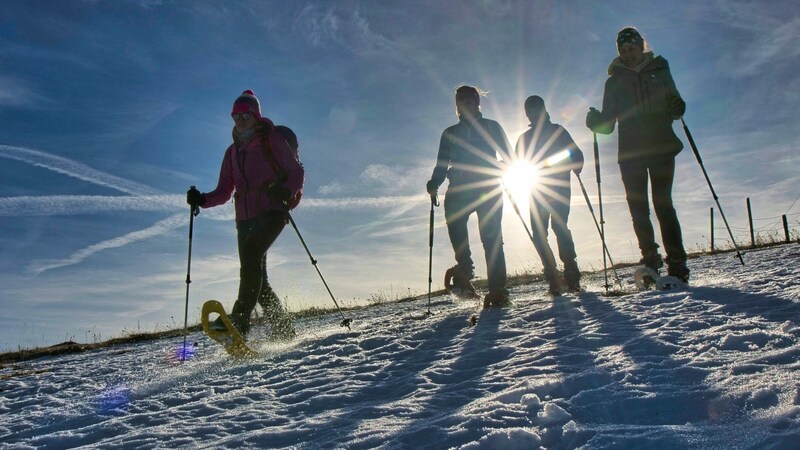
(750, 218)
(786, 228)
(712, 231)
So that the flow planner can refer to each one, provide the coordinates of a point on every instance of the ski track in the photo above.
(714, 366)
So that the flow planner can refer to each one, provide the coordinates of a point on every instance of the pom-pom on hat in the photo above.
(247, 102)
(630, 35)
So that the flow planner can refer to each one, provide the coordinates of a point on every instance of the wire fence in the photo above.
(759, 231)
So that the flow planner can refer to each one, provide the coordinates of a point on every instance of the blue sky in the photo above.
(111, 110)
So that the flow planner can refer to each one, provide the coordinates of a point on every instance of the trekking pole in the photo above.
(600, 203)
(434, 202)
(516, 208)
(597, 225)
(713, 193)
(345, 321)
(193, 211)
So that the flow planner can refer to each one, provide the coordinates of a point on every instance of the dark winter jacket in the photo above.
(247, 169)
(468, 154)
(641, 100)
(546, 140)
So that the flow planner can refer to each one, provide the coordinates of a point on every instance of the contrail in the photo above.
(75, 169)
(363, 202)
(68, 205)
(159, 228)
(140, 198)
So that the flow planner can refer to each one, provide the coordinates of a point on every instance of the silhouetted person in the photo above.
(550, 148)
(641, 96)
(468, 158)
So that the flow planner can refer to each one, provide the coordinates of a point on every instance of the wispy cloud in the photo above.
(157, 229)
(347, 29)
(16, 93)
(74, 169)
(380, 179)
(771, 34)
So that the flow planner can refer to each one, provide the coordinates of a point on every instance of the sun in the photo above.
(519, 178)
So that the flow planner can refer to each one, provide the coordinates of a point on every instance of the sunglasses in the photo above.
(241, 116)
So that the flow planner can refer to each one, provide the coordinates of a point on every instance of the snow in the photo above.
(713, 366)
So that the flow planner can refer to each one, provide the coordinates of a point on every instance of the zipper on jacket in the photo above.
(244, 177)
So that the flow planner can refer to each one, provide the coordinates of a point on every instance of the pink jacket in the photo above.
(249, 172)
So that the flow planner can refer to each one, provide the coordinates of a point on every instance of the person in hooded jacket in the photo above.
(640, 95)
(262, 174)
(551, 150)
(468, 158)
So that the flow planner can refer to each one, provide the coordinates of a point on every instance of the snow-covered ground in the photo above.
(715, 366)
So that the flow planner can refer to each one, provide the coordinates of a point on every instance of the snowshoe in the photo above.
(218, 325)
(645, 278)
(229, 336)
(669, 283)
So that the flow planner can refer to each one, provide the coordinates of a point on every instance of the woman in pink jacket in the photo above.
(263, 175)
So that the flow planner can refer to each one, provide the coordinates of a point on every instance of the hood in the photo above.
(651, 62)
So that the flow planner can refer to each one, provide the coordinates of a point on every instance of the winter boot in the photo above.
(457, 281)
(652, 259)
(572, 276)
(241, 322)
(679, 271)
(497, 299)
(242, 326)
(218, 325)
(554, 280)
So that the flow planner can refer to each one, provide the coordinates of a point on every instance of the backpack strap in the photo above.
(266, 146)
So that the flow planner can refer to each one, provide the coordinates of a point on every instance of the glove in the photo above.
(431, 187)
(677, 107)
(279, 193)
(195, 198)
(577, 162)
(593, 119)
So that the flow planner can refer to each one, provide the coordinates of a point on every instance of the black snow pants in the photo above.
(635, 179)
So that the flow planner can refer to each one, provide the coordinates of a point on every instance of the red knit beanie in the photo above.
(247, 102)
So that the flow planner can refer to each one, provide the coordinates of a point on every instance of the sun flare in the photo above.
(519, 178)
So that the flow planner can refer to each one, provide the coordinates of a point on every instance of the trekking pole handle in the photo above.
(435, 199)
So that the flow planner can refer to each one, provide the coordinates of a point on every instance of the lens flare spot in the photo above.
(114, 399)
(519, 178)
(185, 351)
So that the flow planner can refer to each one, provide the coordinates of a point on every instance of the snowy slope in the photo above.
(715, 366)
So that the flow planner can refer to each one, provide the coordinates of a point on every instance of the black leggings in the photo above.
(255, 236)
